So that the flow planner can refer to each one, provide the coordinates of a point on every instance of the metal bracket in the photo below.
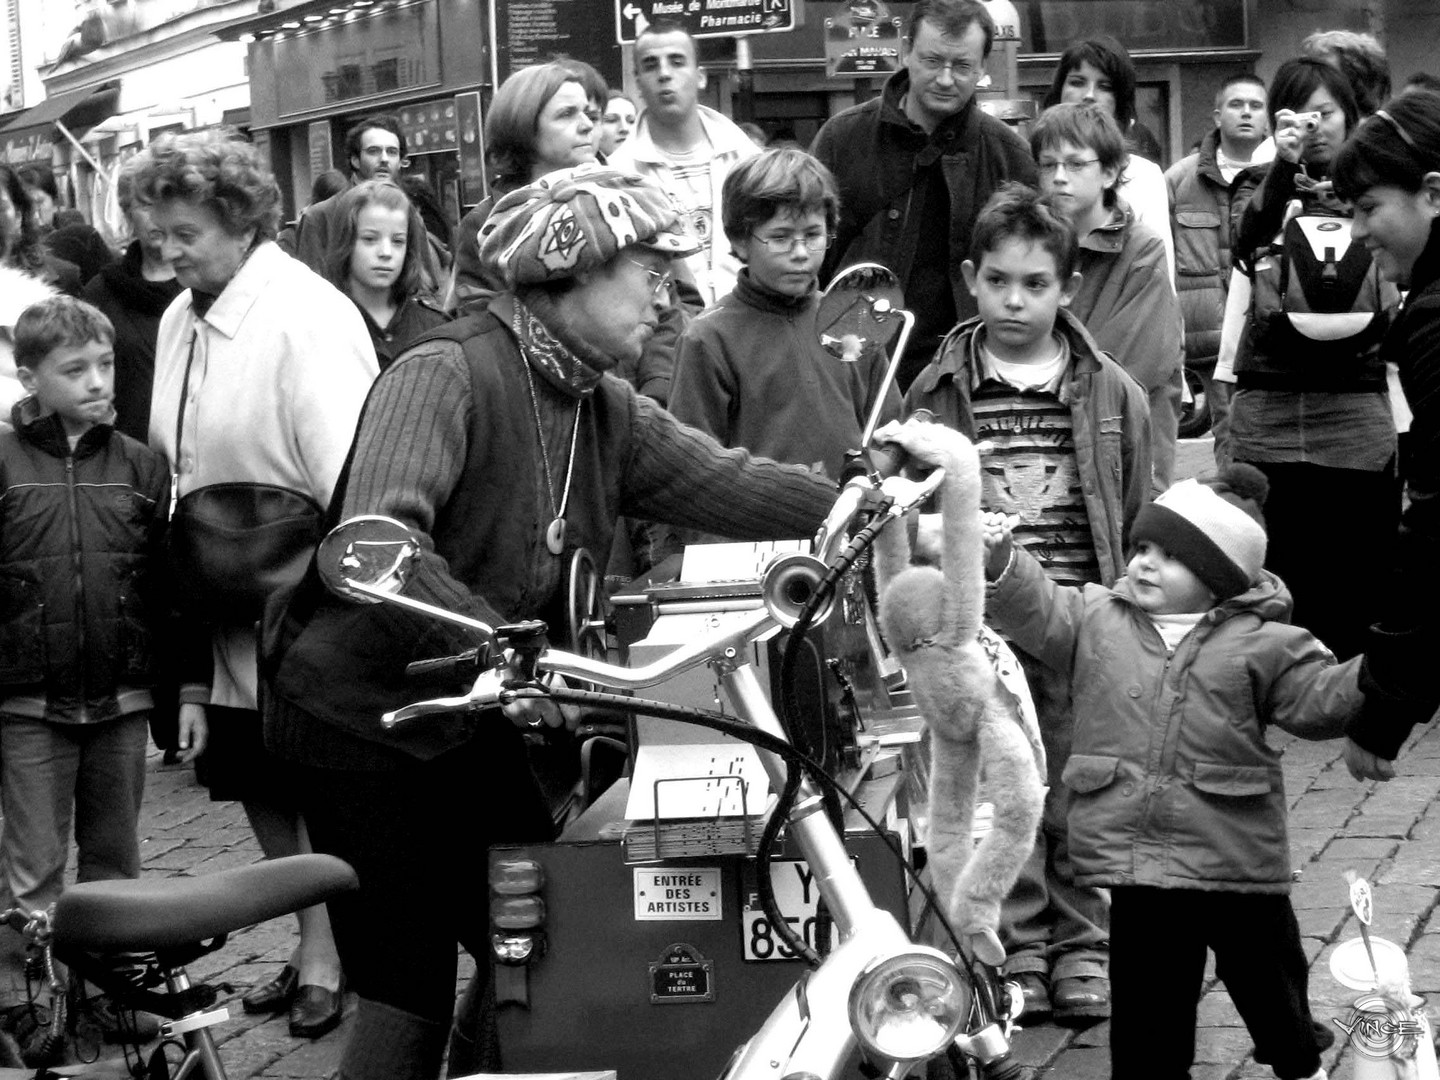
(194, 1022)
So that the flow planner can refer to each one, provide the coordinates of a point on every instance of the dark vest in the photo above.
(491, 532)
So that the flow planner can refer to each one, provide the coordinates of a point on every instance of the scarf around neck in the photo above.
(553, 348)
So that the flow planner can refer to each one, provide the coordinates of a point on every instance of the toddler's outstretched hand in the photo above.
(997, 532)
(1364, 765)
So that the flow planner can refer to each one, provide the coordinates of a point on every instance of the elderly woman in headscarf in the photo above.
(506, 442)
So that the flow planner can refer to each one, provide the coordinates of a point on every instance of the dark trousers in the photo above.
(1314, 515)
(417, 838)
(1158, 939)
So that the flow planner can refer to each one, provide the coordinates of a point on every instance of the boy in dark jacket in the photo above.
(82, 512)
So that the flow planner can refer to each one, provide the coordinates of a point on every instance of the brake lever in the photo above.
(485, 693)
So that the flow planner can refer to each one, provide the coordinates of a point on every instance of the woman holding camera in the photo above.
(1312, 414)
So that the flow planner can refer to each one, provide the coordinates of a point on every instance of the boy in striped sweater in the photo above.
(1069, 461)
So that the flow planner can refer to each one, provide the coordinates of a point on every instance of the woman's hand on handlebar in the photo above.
(194, 732)
(540, 711)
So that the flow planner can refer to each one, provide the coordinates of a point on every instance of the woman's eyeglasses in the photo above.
(659, 282)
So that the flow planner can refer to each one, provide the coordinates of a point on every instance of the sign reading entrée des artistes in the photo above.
(704, 18)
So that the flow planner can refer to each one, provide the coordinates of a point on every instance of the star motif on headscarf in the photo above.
(563, 240)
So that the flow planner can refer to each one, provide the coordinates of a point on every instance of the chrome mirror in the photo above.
(857, 312)
(367, 558)
(861, 314)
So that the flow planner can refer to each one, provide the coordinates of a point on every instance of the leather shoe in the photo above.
(316, 1011)
(275, 995)
(1036, 991)
(1082, 999)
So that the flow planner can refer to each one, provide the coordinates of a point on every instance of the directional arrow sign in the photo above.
(704, 18)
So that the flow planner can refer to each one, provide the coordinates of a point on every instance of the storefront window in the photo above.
(1051, 26)
(393, 50)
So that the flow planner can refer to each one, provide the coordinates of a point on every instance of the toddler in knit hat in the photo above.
(1213, 529)
(1178, 673)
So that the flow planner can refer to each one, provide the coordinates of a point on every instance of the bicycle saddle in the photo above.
(152, 913)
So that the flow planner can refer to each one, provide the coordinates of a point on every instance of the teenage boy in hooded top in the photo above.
(1070, 459)
(1125, 299)
(1177, 797)
(751, 370)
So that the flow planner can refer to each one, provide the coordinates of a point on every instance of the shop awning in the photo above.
(66, 115)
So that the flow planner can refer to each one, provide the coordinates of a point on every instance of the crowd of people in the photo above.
(623, 341)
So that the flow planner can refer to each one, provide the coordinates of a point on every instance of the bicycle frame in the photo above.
(811, 1031)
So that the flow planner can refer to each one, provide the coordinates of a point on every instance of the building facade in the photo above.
(100, 79)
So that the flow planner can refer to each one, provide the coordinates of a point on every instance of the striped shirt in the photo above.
(1030, 472)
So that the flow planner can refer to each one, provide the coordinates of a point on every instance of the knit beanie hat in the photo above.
(574, 220)
(1213, 526)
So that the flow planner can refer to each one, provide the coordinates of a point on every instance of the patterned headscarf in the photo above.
(575, 220)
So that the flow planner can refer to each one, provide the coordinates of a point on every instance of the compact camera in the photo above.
(1308, 122)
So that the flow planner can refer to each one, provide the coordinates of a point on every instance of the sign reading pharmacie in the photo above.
(704, 18)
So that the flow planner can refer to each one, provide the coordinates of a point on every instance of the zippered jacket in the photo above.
(875, 153)
(81, 536)
(1108, 411)
(1203, 208)
(1174, 784)
(1127, 303)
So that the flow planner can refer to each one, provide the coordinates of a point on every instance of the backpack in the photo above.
(1318, 303)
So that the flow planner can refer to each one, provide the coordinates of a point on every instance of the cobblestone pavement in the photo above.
(1388, 833)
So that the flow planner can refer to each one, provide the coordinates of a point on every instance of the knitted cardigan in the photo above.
(447, 444)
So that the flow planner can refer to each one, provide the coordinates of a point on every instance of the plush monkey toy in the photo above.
(932, 619)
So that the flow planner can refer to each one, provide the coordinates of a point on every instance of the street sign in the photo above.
(705, 18)
(529, 32)
(862, 38)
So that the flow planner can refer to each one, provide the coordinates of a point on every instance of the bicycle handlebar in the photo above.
(490, 686)
(899, 496)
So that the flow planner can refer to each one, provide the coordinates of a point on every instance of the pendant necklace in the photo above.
(555, 534)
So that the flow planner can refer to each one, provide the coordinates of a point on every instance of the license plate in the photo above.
(798, 899)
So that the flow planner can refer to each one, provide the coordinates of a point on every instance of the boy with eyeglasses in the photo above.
(1125, 299)
(751, 370)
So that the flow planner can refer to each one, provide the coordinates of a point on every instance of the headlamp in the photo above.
(908, 1006)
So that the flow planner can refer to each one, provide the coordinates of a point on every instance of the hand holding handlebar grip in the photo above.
(891, 437)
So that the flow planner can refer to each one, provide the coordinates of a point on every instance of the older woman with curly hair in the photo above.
(261, 370)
